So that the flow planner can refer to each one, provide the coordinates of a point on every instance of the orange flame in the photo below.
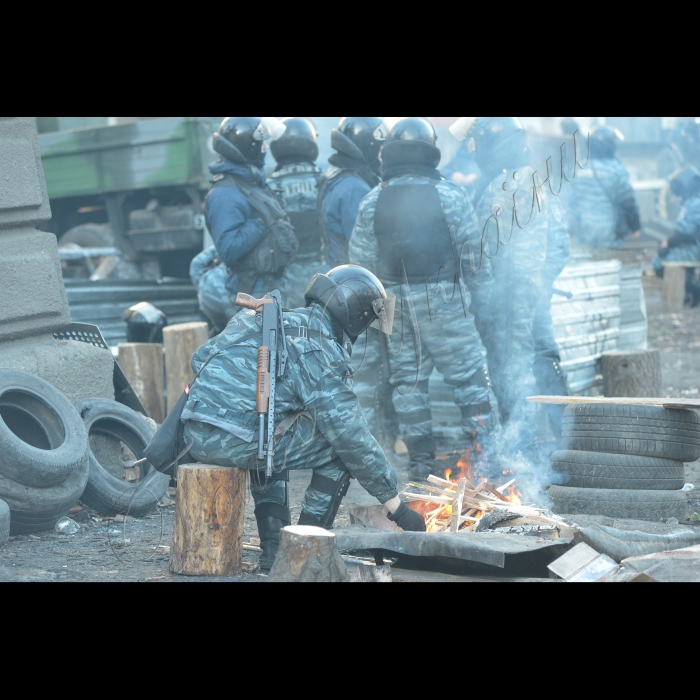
(514, 497)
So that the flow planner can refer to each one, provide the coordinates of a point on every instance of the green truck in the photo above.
(137, 187)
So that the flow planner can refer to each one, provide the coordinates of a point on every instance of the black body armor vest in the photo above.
(411, 227)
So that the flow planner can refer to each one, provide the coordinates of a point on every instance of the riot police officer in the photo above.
(684, 245)
(296, 179)
(319, 423)
(208, 275)
(411, 231)
(251, 231)
(517, 242)
(353, 173)
(602, 206)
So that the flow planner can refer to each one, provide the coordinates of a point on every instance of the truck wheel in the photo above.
(110, 426)
(36, 509)
(89, 236)
(4, 523)
(624, 505)
(42, 438)
(590, 470)
(643, 431)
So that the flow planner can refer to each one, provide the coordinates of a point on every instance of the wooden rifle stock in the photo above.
(248, 302)
(263, 390)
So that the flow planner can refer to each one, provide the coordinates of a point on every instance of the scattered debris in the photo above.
(584, 565)
(156, 578)
(370, 574)
(681, 566)
(162, 549)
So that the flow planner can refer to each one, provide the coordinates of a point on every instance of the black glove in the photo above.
(408, 520)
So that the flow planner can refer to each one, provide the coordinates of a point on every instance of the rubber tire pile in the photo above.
(47, 465)
(625, 461)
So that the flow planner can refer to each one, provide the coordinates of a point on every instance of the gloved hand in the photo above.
(408, 520)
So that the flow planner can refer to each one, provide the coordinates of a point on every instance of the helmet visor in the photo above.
(461, 128)
(385, 309)
(269, 128)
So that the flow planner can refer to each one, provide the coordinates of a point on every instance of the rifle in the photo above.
(271, 367)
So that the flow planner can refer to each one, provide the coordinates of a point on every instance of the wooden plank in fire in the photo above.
(458, 506)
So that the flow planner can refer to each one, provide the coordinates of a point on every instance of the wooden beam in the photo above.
(685, 404)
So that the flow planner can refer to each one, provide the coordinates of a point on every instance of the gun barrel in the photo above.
(261, 436)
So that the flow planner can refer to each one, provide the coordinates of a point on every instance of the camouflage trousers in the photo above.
(683, 253)
(551, 379)
(302, 447)
(296, 280)
(512, 348)
(214, 299)
(434, 333)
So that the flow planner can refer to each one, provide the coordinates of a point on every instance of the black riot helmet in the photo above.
(145, 323)
(360, 138)
(685, 183)
(300, 141)
(412, 140)
(604, 140)
(240, 139)
(498, 143)
(354, 298)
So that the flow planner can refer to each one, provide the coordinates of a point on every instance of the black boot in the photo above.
(421, 453)
(271, 519)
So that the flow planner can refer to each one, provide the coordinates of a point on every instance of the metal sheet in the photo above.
(487, 548)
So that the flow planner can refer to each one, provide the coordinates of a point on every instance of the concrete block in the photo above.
(23, 196)
(79, 370)
(32, 295)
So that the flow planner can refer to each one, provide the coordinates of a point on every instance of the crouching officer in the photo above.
(296, 180)
(684, 245)
(319, 424)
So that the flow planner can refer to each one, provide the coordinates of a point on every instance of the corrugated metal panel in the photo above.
(102, 303)
(634, 330)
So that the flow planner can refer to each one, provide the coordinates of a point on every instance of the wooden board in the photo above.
(683, 404)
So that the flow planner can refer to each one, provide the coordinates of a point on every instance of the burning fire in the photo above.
(514, 496)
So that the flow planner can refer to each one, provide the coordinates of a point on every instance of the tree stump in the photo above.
(308, 555)
(209, 521)
(634, 375)
(181, 342)
(144, 367)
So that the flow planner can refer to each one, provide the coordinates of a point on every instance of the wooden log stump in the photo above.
(308, 555)
(144, 367)
(181, 342)
(675, 277)
(632, 374)
(209, 521)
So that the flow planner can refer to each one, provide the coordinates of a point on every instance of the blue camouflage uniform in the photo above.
(319, 423)
(209, 279)
(519, 265)
(419, 222)
(684, 245)
(234, 224)
(297, 184)
(551, 379)
(344, 186)
(602, 205)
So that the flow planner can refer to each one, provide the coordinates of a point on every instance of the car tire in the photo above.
(642, 431)
(88, 236)
(106, 492)
(42, 438)
(4, 523)
(591, 470)
(36, 509)
(624, 505)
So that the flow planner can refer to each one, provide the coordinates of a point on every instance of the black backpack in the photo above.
(280, 244)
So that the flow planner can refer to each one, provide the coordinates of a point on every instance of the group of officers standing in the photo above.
(382, 226)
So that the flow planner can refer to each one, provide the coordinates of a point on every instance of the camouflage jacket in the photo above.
(602, 204)
(514, 226)
(687, 230)
(463, 226)
(318, 382)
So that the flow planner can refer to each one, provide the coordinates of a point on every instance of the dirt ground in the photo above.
(112, 551)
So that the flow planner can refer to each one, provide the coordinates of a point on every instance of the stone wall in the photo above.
(33, 302)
